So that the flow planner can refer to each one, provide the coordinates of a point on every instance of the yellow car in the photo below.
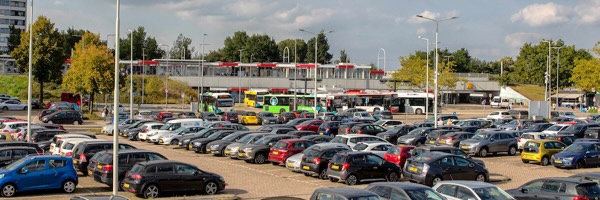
(249, 118)
(6, 137)
(541, 151)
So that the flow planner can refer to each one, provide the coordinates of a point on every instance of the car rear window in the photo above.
(105, 158)
(338, 158)
(339, 139)
(280, 145)
(530, 146)
(394, 150)
(136, 169)
(69, 146)
(311, 153)
(588, 189)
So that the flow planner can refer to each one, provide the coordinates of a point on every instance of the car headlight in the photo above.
(409, 139)
(197, 143)
(215, 146)
(221, 179)
(234, 149)
(248, 149)
(2, 176)
(569, 159)
(186, 141)
(45, 119)
(386, 137)
(474, 144)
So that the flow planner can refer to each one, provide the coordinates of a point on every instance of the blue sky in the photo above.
(489, 29)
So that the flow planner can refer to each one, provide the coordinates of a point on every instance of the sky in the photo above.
(489, 29)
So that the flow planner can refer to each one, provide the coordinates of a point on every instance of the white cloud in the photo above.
(542, 14)
(421, 31)
(427, 13)
(588, 11)
(516, 40)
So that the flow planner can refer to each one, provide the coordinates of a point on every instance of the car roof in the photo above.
(566, 179)
(346, 192)
(430, 147)
(373, 143)
(146, 163)
(400, 185)
(294, 140)
(124, 151)
(45, 156)
(356, 135)
(16, 147)
(592, 174)
(469, 184)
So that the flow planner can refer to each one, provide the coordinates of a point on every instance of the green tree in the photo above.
(462, 59)
(412, 71)
(586, 73)
(214, 56)
(142, 44)
(48, 55)
(447, 78)
(181, 48)
(344, 57)
(70, 37)
(296, 46)
(260, 48)
(14, 38)
(230, 52)
(323, 55)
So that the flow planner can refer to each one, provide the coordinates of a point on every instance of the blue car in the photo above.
(578, 155)
(329, 128)
(40, 172)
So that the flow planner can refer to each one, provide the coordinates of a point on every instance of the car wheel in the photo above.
(281, 110)
(5, 108)
(483, 152)
(9, 190)
(211, 188)
(435, 180)
(480, 177)
(545, 161)
(393, 177)
(75, 122)
(151, 191)
(174, 142)
(525, 161)
(323, 174)
(352, 179)
(419, 111)
(222, 153)
(512, 150)
(580, 164)
(50, 122)
(25, 108)
(259, 159)
(69, 186)
(306, 174)
(335, 180)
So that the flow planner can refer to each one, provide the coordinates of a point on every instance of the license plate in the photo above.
(413, 169)
(290, 165)
(557, 161)
(464, 147)
(442, 141)
(189, 146)
(431, 142)
(126, 185)
(240, 154)
(275, 153)
(335, 167)
(161, 141)
(207, 150)
(75, 161)
(90, 172)
(305, 167)
(99, 166)
(321, 133)
(401, 144)
(226, 152)
(52, 149)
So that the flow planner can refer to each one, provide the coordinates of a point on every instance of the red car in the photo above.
(307, 115)
(310, 125)
(298, 112)
(398, 155)
(164, 115)
(283, 149)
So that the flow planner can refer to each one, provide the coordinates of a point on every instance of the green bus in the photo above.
(216, 102)
(278, 103)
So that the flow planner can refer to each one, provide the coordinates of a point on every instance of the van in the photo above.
(500, 102)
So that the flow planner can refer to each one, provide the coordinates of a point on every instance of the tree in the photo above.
(70, 37)
(181, 48)
(260, 48)
(586, 73)
(48, 55)
(142, 44)
(462, 60)
(344, 57)
(447, 78)
(92, 69)
(214, 56)
(412, 71)
(297, 49)
(323, 56)
(230, 52)
(14, 39)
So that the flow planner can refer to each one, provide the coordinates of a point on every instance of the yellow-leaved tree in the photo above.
(412, 72)
(586, 73)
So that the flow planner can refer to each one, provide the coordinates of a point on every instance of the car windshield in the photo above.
(576, 148)
(423, 194)
(280, 145)
(214, 136)
(306, 123)
(481, 136)
(250, 114)
(264, 140)
(576, 127)
(179, 130)
(460, 123)
(380, 122)
(491, 193)
(554, 128)
(231, 137)
(364, 114)
(268, 115)
(16, 164)
(416, 131)
(245, 139)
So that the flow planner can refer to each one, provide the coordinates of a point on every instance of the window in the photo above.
(57, 163)
(381, 148)
(461, 162)
(185, 169)
(19, 153)
(548, 145)
(36, 165)
(374, 160)
(446, 189)
(299, 145)
(553, 187)
(152, 156)
(496, 136)
(324, 196)
(504, 136)
(137, 157)
(123, 159)
(398, 195)
(464, 193)
(150, 170)
(447, 161)
(360, 159)
(5, 155)
(534, 186)
(382, 191)
(164, 169)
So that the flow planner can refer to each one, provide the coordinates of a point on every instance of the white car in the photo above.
(470, 190)
(554, 129)
(293, 162)
(12, 105)
(499, 115)
(375, 147)
(388, 124)
(353, 139)
(145, 114)
(530, 136)
(11, 127)
(363, 116)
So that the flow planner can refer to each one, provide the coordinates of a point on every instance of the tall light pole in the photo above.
(202, 72)
(427, 80)
(316, 66)
(143, 72)
(435, 97)
(240, 77)
(30, 79)
(115, 180)
(166, 75)
(557, 66)
(547, 81)
(295, 74)
(131, 75)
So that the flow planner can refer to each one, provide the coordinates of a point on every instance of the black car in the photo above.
(209, 116)
(258, 152)
(266, 118)
(301, 133)
(346, 128)
(86, 150)
(46, 112)
(397, 190)
(352, 167)
(566, 139)
(133, 128)
(45, 135)
(537, 127)
(415, 137)
(342, 193)
(184, 140)
(270, 127)
(579, 130)
(318, 138)
(557, 188)
(153, 178)
(282, 130)
(433, 167)
(64, 117)
(10, 154)
(200, 145)
(316, 159)
(285, 117)
(367, 129)
(445, 149)
(22, 144)
(392, 134)
(329, 128)
(217, 147)
(101, 167)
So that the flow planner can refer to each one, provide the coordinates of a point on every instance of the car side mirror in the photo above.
(471, 165)
(524, 191)
(24, 171)
(491, 139)
(197, 173)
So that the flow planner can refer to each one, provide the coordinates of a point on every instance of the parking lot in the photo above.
(252, 181)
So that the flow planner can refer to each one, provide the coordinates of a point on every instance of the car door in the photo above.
(464, 169)
(553, 190)
(529, 191)
(592, 155)
(165, 176)
(464, 193)
(59, 168)
(495, 143)
(447, 167)
(34, 175)
(189, 178)
(375, 163)
(5, 157)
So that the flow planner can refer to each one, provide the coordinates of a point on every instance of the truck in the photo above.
(500, 102)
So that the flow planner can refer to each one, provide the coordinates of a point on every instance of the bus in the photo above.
(370, 102)
(278, 103)
(254, 98)
(412, 103)
(217, 102)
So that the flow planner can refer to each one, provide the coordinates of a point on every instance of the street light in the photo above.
(239, 77)
(547, 81)
(557, 66)
(435, 97)
(448, 58)
(29, 83)
(131, 75)
(316, 63)
(115, 180)
(202, 72)
(166, 76)
(427, 80)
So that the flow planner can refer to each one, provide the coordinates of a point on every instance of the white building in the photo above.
(12, 12)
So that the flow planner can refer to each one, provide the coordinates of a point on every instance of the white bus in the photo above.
(368, 101)
(412, 103)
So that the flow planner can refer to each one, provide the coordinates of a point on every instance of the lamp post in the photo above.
(295, 74)
(448, 58)
(115, 180)
(427, 80)
(547, 81)
(202, 72)
(131, 75)
(557, 66)
(166, 76)
(316, 63)
(240, 77)
(143, 72)
(435, 97)
(29, 77)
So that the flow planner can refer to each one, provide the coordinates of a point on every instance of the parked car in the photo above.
(102, 168)
(434, 135)
(145, 115)
(286, 148)
(64, 117)
(499, 115)
(490, 142)
(346, 127)
(434, 167)
(316, 159)
(307, 115)
(22, 144)
(12, 105)
(44, 135)
(398, 154)
(343, 194)
(329, 128)
(578, 155)
(152, 178)
(537, 127)
(367, 129)
(324, 115)
(184, 115)
(540, 151)
(258, 152)
(162, 116)
(231, 117)
(297, 121)
(185, 140)
(299, 133)
(318, 138)
(310, 125)
(458, 190)
(592, 133)
(415, 137)
(557, 188)
(353, 139)
(10, 154)
(445, 149)
(400, 190)
(383, 115)
(519, 114)
(217, 147)
(392, 133)
(298, 112)
(285, 117)
(530, 136)
(232, 149)
(375, 147)
(200, 145)
(565, 139)
(595, 177)
(293, 163)
(350, 111)
(86, 150)
(352, 167)
(454, 138)
(266, 118)
(40, 172)
(579, 130)
(209, 116)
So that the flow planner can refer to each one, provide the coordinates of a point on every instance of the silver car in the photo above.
(293, 162)
(490, 142)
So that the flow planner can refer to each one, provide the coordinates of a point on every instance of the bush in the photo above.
(594, 110)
